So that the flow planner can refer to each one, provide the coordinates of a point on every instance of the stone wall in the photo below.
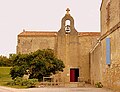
(85, 45)
(109, 17)
(95, 65)
(109, 75)
(31, 44)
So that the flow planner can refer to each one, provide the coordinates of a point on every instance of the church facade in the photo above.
(69, 45)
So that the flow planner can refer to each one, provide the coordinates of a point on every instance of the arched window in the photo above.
(67, 22)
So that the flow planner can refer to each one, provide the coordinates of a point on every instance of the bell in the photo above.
(67, 29)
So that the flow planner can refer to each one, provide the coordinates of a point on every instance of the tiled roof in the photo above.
(89, 33)
(37, 33)
(40, 33)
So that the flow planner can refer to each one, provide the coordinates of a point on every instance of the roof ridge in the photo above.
(40, 31)
(44, 33)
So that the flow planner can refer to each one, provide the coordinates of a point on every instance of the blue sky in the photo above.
(16, 15)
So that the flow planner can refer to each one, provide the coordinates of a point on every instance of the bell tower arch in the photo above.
(67, 24)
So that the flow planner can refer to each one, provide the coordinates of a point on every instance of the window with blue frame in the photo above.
(108, 51)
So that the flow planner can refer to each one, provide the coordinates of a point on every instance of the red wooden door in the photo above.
(72, 75)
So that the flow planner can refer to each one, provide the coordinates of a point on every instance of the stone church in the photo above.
(88, 56)
(71, 46)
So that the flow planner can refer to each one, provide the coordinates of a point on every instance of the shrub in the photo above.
(11, 83)
(99, 85)
(20, 82)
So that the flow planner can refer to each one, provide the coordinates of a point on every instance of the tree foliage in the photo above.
(39, 63)
(4, 61)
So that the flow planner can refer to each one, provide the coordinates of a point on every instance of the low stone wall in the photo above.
(62, 84)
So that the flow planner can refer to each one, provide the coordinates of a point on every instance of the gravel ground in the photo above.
(6, 89)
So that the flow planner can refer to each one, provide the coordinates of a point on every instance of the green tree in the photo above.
(4, 61)
(39, 63)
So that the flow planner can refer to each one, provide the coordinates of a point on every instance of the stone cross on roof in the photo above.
(67, 10)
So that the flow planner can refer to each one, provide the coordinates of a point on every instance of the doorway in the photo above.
(74, 74)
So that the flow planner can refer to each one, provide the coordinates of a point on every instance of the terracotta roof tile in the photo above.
(40, 33)
(37, 33)
(89, 33)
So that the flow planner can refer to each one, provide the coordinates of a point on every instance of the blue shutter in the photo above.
(108, 58)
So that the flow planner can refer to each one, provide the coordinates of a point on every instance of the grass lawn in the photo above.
(4, 75)
(5, 78)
